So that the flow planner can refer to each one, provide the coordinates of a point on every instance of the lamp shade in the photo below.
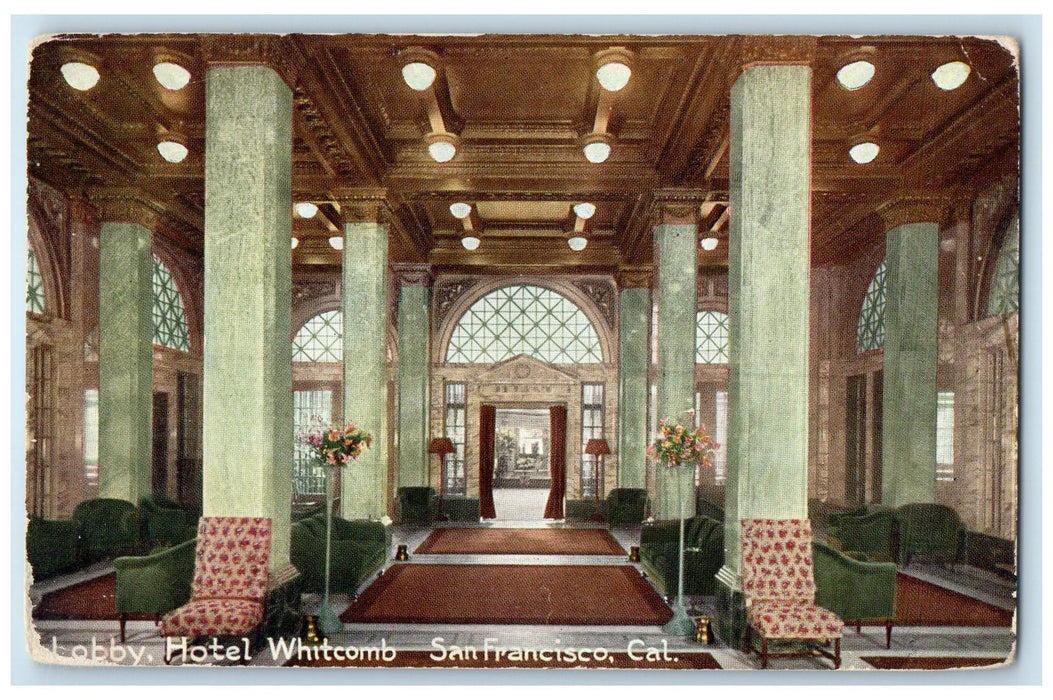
(440, 446)
(597, 446)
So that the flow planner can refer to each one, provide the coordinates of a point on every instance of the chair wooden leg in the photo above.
(123, 619)
(764, 653)
(837, 653)
(859, 629)
(888, 635)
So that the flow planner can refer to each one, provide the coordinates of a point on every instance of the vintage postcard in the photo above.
(685, 352)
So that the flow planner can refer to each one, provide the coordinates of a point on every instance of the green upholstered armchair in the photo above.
(51, 546)
(703, 554)
(871, 534)
(166, 522)
(626, 506)
(107, 527)
(929, 529)
(417, 504)
(154, 584)
(834, 517)
(357, 549)
(858, 592)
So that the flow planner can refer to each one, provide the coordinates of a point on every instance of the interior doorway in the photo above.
(522, 467)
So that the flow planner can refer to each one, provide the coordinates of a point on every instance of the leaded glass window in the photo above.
(456, 410)
(870, 331)
(720, 435)
(34, 285)
(321, 339)
(91, 438)
(170, 328)
(945, 436)
(711, 338)
(524, 319)
(311, 409)
(1005, 285)
(591, 427)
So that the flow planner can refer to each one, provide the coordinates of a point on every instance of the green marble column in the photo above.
(634, 308)
(768, 305)
(126, 345)
(365, 382)
(247, 411)
(676, 253)
(908, 438)
(413, 380)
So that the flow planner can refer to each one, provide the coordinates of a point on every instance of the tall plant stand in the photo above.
(680, 624)
(328, 621)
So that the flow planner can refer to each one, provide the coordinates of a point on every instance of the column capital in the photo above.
(911, 210)
(362, 205)
(415, 274)
(774, 50)
(226, 50)
(676, 205)
(633, 277)
(125, 206)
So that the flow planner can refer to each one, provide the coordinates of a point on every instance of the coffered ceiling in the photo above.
(520, 107)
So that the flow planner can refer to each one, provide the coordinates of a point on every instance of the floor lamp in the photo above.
(597, 447)
(441, 446)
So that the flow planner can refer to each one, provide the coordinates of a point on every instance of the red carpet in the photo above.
(929, 663)
(510, 595)
(528, 658)
(921, 603)
(89, 600)
(497, 540)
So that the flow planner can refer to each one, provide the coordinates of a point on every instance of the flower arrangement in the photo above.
(678, 445)
(336, 446)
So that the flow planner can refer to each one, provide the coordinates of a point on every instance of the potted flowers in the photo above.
(676, 447)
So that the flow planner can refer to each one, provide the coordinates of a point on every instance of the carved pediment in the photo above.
(525, 369)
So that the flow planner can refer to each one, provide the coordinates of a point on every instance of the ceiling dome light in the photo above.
(418, 75)
(460, 210)
(855, 75)
(709, 243)
(80, 76)
(951, 75)
(613, 76)
(442, 147)
(171, 75)
(864, 152)
(295, 242)
(172, 151)
(577, 243)
(585, 210)
(306, 210)
(336, 242)
(470, 242)
(597, 148)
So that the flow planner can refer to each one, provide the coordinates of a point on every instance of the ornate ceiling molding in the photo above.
(633, 277)
(363, 205)
(125, 206)
(416, 274)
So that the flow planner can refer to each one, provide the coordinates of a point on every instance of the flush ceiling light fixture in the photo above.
(709, 243)
(442, 147)
(419, 67)
(597, 148)
(855, 75)
(470, 241)
(585, 209)
(172, 151)
(951, 75)
(80, 76)
(613, 69)
(295, 242)
(864, 152)
(460, 210)
(336, 242)
(171, 75)
(306, 210)
(577, 243)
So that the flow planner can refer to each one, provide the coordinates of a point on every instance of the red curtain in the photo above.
(557, 461)
(487, 427)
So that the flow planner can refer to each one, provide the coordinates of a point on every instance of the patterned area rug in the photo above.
(921, 603)
(511, 658)
(929, 663)
(94, 599)
(497, 540)
(510, 595)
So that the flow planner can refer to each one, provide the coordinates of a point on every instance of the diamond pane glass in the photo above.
(870, 331)
(453, 464)
(591, 427)
(34, 284)
(526, 320)
(170, 328)
(310, 409)
(1005, 286)
(711, 338)
(321, 339)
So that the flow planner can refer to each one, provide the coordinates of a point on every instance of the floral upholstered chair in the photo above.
(779, 586)
(230, 580)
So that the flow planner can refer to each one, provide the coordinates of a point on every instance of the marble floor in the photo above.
(145, 646)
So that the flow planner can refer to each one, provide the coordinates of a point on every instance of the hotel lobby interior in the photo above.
(517, 261)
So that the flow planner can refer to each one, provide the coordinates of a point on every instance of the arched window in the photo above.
(711, 338)
(528, 320)
(170, 328)
(321, 339)
(34, 284)
(1005, 285)
(870, 331)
